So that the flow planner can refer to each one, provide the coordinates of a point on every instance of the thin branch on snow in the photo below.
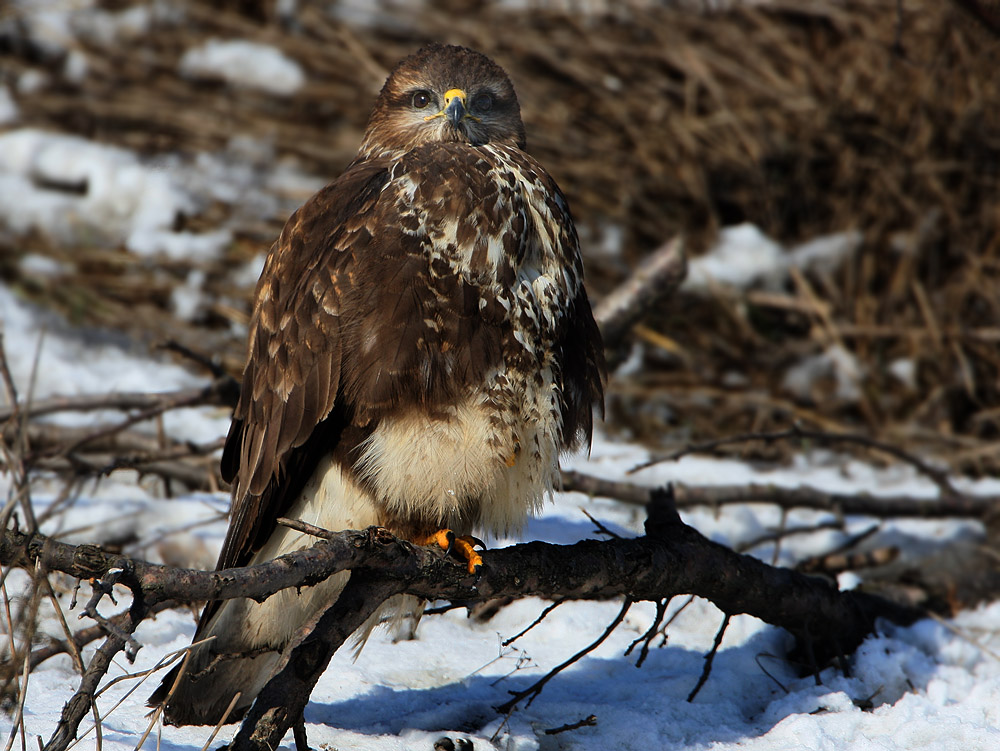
(536, 688)
(938, 476)
(710, 658)
(881, 506)
(588, 721)
(222, 392)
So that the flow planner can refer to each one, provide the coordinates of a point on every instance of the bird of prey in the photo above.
(420, 351)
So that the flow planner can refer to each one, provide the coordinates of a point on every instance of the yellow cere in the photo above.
(449, 95)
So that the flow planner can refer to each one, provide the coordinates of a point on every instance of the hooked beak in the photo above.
(454, 106)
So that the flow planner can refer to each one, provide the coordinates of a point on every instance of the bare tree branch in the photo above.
(882, 506)
(656, 278)
(796, 432)
(671, 559)
(710, 657)
(536, 688)
(220, 392)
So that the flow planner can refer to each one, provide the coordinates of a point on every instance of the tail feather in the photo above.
(203, 693)
(238, 661)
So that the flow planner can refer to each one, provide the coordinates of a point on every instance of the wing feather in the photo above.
(294, 356)
(356, 314)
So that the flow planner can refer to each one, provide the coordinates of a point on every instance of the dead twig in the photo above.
(710, 658)
(656, 278)
(588, 721)
(881, 506)
(84, 636)
(653, 630)
(219, 392)
(119, 638)
(535, 688)
(541, 617)
(937, 476)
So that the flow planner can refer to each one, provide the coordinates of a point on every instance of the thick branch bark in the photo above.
(283, 699)
(671, 559)
(677, 560)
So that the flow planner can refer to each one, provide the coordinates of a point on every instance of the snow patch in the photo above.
(75, 190)
(836, 363)
(187, 299)
(33, 264)
(904, 370)
(76, 361)
(244, 64)
(248, 274)
(744, 257)
(8, 107)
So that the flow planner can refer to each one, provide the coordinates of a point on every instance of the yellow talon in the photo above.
(464, 547)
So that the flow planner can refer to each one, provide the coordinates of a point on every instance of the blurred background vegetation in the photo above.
(874, 121)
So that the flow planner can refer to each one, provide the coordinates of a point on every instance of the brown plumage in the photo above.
(421, 348)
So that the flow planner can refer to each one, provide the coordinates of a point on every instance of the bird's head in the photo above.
(444, 94)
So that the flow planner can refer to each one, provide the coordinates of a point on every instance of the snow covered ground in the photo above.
(930, 686)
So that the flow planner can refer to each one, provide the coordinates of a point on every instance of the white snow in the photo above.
(78, 191)
(72, 362)
(32, 81)
(48, 23)
(187, 299)
(70, 189)
(56, 25)
(928, 686)
(834, 362)
(42, 266)
(77, 66)
(8, 107)
(744, 257)
(933, 686)
(904, 370)
(244, 64)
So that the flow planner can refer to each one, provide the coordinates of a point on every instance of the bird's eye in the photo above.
(421, 99)
(483, 102)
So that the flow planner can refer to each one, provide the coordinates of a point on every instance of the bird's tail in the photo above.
(208, 688)
(236, 651)
(243, 645)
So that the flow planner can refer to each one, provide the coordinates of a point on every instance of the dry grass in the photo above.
(803, 117)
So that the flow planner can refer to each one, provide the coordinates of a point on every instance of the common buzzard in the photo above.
(420, 351)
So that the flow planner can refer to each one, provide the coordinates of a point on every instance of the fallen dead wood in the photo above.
(803, 496)
(655, 279)
(224, 391)
(670, 559)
